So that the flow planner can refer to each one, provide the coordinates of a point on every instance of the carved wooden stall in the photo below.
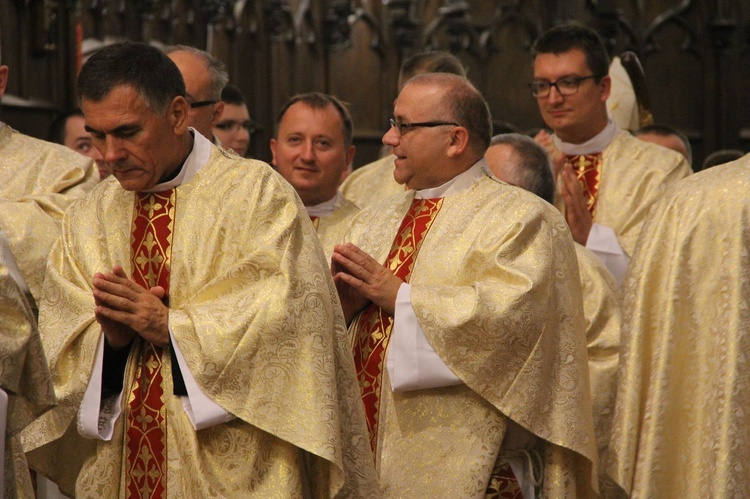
(695, 53)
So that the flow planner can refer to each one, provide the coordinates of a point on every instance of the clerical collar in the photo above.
(594, 145)
(196, 160)
(456, 184)
(324, 208)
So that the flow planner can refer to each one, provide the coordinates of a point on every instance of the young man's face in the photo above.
(578, 117)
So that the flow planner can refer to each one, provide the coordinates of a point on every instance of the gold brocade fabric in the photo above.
(603, 316)
(332, 227)
(24, 376)
(372, 182)
(682, 424)
(255, 313)
(635, 174)
(38, 180)
(497, 293)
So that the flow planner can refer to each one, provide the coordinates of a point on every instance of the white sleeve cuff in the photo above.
(603, 243)
(412, 363)
(201, 410)
(97, 417)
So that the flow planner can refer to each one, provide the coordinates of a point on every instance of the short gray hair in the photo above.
(216, 69)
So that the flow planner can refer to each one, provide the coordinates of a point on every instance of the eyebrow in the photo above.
(128, 127)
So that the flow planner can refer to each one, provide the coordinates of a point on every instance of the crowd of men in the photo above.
(469, 316)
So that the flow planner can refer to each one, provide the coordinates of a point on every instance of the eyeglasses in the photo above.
(234, 126)
(201, 103)
(403, 128)
(565, 86)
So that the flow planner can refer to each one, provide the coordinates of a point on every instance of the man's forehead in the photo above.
(573, 59)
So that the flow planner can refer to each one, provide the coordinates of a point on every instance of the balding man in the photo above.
(465, 314)
(205, 78)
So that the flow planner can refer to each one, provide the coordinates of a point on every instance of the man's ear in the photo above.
(3, 79)
(606, 87)
(273, 152)
(459, 141)
(178, 114)
(218, 111)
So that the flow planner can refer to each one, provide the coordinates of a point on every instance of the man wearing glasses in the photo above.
(205, 77)
(609, 179)
(461, 316)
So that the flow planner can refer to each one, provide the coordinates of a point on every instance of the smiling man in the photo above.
(312, 150)
(465, 313)
(176, 321)
(609, 179)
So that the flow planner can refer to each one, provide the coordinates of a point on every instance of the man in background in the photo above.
(205, 78)
(69, 130)
(666, 136)
(609, 179)
(235, 127)
(312, 150)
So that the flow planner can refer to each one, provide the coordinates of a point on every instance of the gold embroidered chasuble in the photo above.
(24, 376)
(332, 227)
(681, 420)
(372, 182)
(496, 290)
(38, 180)
(635, 174)
(603, 317)
(256, 316)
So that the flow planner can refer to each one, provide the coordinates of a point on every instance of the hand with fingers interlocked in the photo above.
(125, 309)
(360, 279)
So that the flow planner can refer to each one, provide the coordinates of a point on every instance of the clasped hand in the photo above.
(360, 279)
(125, 309)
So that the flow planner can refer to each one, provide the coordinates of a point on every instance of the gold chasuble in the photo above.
(495, 289)
(682, 419)
(633, 175)
(146, 426)
(38, 180)
(255, 314)
(332, 227)
(588, 169)
(372, 328)
(24, 376)
(372, 183)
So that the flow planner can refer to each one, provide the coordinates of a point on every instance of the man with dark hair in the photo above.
(666, 136)
(609, 179)
(520, 161)
(465, 314)
(312, 150)
(374, 182)
(205, 78)
(68, 129)
(177, 320)
(235, 127)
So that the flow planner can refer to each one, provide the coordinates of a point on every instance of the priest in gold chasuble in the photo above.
(681, 424)
(608, 181)
(193, 333)
(465, 317)
(25, 379)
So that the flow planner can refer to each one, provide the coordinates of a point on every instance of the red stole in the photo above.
(372, 328)
(588, 169)
(146, 417)
(315, 221)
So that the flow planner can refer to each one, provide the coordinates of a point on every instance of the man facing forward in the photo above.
(199, 346)
(466, 328)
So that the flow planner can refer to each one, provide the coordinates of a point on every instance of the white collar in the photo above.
(324, 208)
(596, 144)
(196, 160)
(456, 184)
